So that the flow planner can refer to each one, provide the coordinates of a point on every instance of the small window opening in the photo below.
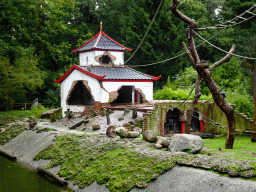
(105, 59)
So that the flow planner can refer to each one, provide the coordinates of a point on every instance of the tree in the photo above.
(204, 71)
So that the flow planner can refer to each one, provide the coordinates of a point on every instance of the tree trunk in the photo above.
(204, 72)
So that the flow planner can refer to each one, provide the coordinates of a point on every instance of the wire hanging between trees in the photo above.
(244, 57)
(146, 32)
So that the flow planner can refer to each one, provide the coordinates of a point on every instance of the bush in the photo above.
(169, 94)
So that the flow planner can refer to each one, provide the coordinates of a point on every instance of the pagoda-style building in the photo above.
(102, 77)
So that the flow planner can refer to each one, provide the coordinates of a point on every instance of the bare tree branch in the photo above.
(224, 59)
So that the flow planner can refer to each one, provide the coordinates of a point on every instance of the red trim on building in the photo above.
(127, 80)
(97, 49)
(99, 34)
(96, 43)
(81, 70)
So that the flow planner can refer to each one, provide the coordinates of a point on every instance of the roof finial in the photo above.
(101, 25)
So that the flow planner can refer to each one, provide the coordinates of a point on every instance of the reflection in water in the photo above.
(15, 177)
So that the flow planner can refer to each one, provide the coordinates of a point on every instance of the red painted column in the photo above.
(201, 126)
(182, 126)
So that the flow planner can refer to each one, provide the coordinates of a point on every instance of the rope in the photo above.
(146, 32)
(244, 57)
(174, 56)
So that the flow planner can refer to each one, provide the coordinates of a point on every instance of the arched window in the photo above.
(105, 59)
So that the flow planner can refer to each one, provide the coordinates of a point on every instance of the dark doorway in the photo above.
(172, 123)
(80, 95)
(105, 59)
(195, 123)
(124, 95)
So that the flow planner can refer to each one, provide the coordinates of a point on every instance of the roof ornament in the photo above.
(101, 26)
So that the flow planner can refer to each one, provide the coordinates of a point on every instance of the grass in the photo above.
(18, 114)
(120, 168)
(243, 149)
(10, 133)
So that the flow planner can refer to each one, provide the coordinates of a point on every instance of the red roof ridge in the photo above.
(81, 70)
(99, 34)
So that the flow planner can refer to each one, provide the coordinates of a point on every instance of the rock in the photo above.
(95, 126)
(111, 131)
(163, 141)
(77, 115)
(126, 111)
(158, 146)
(76, 123)
(207, 135)
(26, 120)
(137, 129)
(122, 132)
(133, 134)
(32, 124)
(185, 142)
(150, 135)
(127, 126)
(121, 118)
(134, 112)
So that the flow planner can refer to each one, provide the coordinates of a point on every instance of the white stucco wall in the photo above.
(92, 54)
(76, 75)
(146, 88)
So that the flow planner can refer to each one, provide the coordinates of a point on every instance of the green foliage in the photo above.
(17, 114)
(11, 132)
(243, 102)
(179, 94)
(120, 169)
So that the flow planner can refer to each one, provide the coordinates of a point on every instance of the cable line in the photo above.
(146, 32)
(244, 57)
(174, 56)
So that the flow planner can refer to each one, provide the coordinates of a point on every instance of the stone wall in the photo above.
(211, 113)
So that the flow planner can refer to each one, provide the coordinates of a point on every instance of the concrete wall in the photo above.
(146, 88)
(66, 86)
(90, 56)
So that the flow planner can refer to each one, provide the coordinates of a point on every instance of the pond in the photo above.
(15, 177)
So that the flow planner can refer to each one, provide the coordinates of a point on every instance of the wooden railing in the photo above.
(25, 106)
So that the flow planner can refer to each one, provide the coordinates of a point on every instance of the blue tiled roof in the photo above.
(118, 73)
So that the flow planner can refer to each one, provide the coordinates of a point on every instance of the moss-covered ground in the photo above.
(11, 132)
(243, 149)
(118, 167)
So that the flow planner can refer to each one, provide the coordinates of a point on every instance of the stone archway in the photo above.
(173, 123)
(124, 95)
(80, 94)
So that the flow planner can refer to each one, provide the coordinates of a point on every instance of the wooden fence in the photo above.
(25, 106)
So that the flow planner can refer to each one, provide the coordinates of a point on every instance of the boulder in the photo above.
(133, 134)
(121, 118)
(128, 126)
(137, 129)
(95, 126)
(158, 146)
(150, 135)
(186, 142)
(111, 131)
(121, 131)
(32, 123)
(76, 123)
(163, 141)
